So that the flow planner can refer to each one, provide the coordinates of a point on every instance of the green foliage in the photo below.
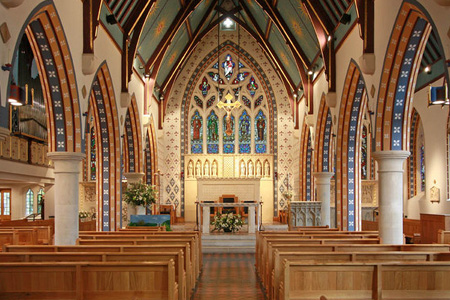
(139, 194)
(84, 214)
(227, 222)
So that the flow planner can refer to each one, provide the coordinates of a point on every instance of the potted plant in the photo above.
(227, 222)
(140, 195)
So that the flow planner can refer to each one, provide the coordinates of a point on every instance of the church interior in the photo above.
(320, 127)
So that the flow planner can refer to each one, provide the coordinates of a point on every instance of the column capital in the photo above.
(391, 160)
(390, 154)
(66, 162)
(323, 177)
(134, 177)
(4, 133)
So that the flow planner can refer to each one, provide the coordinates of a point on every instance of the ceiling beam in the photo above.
(365, 11)
(180, 18)
(91, 16)
(134, 24)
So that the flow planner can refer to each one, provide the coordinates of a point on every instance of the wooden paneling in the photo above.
(431, 224)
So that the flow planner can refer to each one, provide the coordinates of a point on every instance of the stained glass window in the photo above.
(422, 168)
(196, 133)
(210, 102)
(29, 202)
(259, 101)
(247, 102)
(40, 196)
(204, 86)
(244, 133)
(198, 101)
(93, 155)
(252, 86)
(260, 133)
(364, 153)
(212, 136)
(228, 140)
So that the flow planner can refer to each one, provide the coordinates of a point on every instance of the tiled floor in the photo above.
(228, 276)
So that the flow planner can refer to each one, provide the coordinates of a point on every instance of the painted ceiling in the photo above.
(172, 28)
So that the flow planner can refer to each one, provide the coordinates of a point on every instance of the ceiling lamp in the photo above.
(228, 23)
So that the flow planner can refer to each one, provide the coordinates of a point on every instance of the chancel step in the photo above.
(228, 243)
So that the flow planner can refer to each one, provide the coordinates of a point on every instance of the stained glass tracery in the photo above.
(228, 140)
(364, 153)
(93, 155)
(259, 101)
(228, 66)
(252, 86)
(198, 101)
(204, 86)
(196, 133)
(247, 102)
(210, 102)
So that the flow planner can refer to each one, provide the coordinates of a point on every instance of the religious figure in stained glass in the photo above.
(204, 86)
(261, 133)
(196, 133)
(252, 86)
(244, 133)
(364, 153)
(212, 137)
(228, 140)
(422, 168)
(240, 77)
(215, 77)
(228, 66)
(93, 155)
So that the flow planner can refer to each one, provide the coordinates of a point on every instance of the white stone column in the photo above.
(251, 219)
(323, 195)
(133, 177)
(206, 219)
(67, 172)
(390, 186)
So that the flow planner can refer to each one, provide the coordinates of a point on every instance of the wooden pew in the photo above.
(7, 238)
(96, 281)
(265, 274)
(44, 233)
(419, 280)
(150, 240)
(176, 256)
(185, 247)
(337, 257)
(146, 228)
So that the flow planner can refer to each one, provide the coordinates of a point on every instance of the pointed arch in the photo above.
(323, 155)
(414, 160)
(306, 182)
(401, 66)
(103, 103)
(353, 102)
(54, 62)
(151, 162)
(132, 139)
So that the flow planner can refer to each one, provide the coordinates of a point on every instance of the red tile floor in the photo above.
(228, 276)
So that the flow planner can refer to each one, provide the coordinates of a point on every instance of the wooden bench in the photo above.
(44, 233)
(422, 280)
(176, 256)
(146, 228)
(185, 247)
(264, 272)
(151, 240)
(338, 257)
(95, 280)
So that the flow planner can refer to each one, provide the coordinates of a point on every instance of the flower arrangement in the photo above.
(84, 214)
(139, 194)
(227, 222)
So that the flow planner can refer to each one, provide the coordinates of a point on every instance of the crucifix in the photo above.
(228, 106)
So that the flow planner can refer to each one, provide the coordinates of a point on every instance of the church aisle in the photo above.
(228, 276)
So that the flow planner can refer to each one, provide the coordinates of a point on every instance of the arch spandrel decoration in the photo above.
(54, 61)
(104, 109)
(398, 80)
(306, 165)
(353, 103)
(132, 134)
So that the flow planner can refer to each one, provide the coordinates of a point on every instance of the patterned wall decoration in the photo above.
(323, 156)
(348, 170)
(412, 159)
(104, 109)
(151, 166)
(132, 139)
(401, 66)
(55, 66)
(177, 113)
(306, 182)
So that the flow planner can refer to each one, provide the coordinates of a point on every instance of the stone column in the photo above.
(251, 219)
(390, 187)
(206, 219)
(67, 172)
(323, 195)
(132, 178)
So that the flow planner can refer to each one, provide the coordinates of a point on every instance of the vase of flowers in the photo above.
(140, 196)
(227, 222)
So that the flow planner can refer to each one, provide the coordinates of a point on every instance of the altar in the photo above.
(253, 208)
